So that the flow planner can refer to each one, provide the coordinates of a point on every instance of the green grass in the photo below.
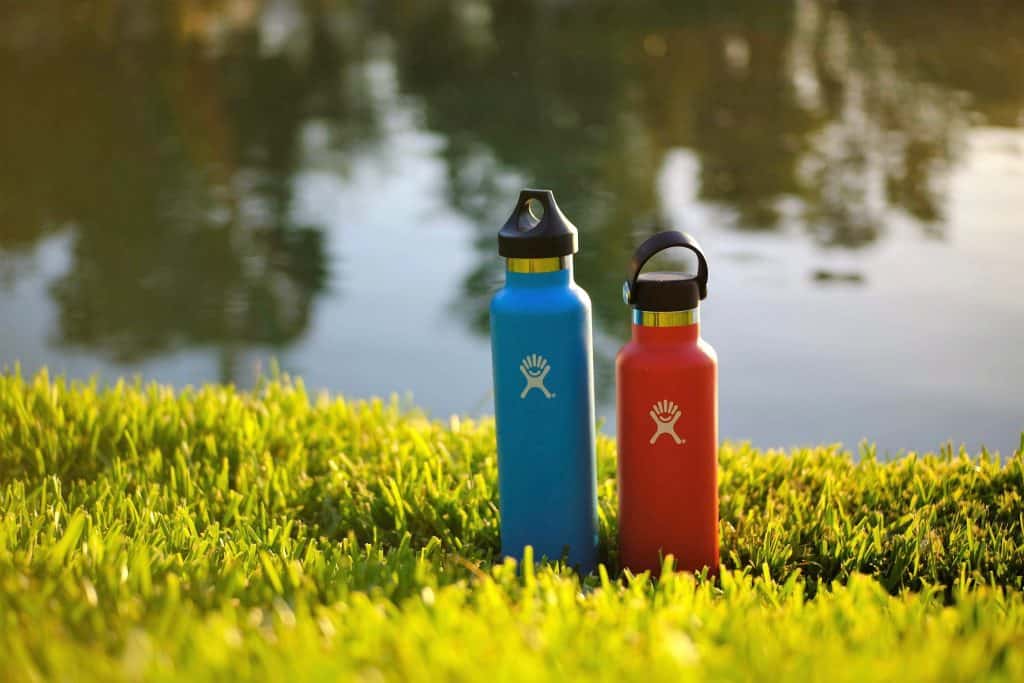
(210, 534)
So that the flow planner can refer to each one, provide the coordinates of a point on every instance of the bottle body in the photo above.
(541, 348)
(667, 386)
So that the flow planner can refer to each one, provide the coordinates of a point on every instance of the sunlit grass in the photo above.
(211, 533)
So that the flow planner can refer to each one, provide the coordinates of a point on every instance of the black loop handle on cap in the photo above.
(552, 235)
(545, 197)
(661, 242)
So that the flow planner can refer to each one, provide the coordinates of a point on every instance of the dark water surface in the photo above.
(189, 189)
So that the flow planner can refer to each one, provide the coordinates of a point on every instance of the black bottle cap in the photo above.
(527, 235)
(665, 291)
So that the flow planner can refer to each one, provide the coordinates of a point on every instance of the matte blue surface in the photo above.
(546, 458)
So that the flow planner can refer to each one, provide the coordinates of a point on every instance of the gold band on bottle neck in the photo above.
(538, 265)
(666, 318)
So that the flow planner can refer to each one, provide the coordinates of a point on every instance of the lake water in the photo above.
(191, 189)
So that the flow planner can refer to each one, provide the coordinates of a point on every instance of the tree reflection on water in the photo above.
(171, 154)
(167, 135)
(851, 110)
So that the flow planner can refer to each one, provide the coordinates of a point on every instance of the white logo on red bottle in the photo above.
(665, 415)
(535, 369)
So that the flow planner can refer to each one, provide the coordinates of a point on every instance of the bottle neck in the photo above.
(538, 272)
(666, 326)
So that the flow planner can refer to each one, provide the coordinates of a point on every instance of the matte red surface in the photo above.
(668, 492)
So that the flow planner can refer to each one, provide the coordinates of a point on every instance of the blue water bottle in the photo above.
(542, 352)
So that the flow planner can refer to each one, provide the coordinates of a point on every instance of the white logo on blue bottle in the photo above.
(665, 415)
(535, 369)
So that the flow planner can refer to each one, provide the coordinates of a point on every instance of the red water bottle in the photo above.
(667, 383)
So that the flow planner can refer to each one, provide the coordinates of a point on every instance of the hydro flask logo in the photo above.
(665, 415)
(535, 369)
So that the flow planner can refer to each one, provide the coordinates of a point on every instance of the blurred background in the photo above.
(189, 189)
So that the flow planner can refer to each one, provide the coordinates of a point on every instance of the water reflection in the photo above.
(827, 117)
(170, 150)
(169, 142)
